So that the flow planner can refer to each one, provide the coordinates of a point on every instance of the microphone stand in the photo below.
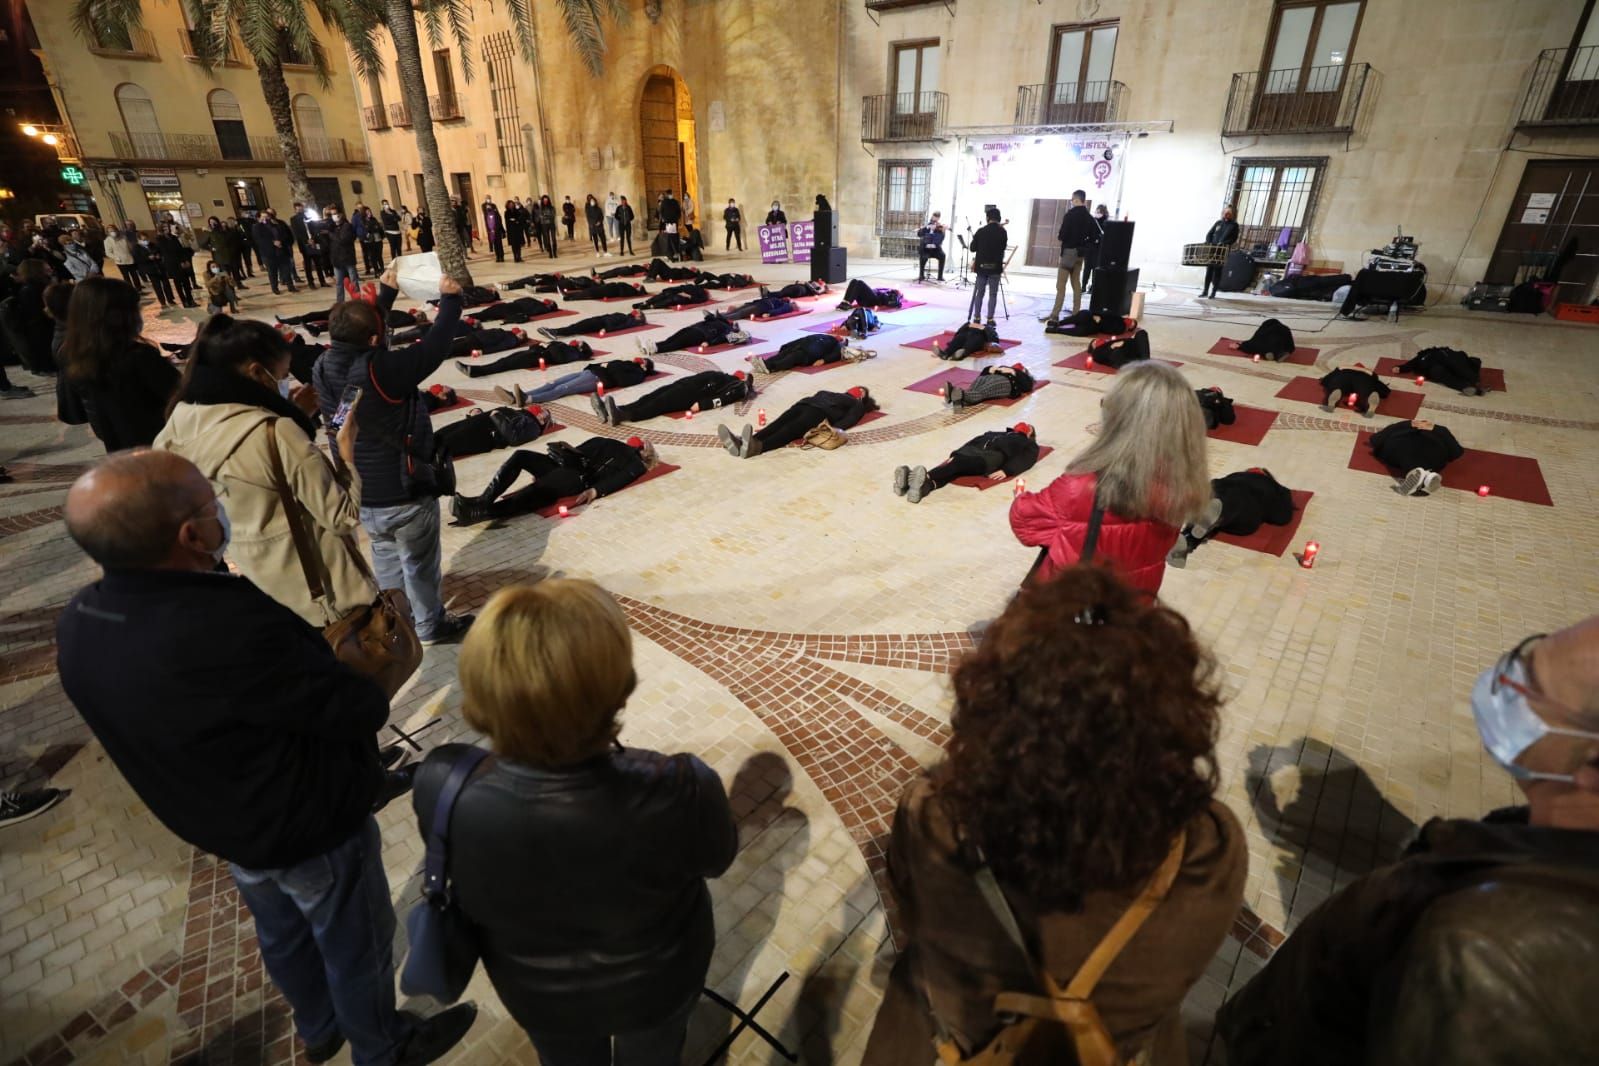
(963, 282)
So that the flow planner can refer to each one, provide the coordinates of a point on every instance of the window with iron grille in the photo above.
(902, 204)
(1275, 199)
(499, 59)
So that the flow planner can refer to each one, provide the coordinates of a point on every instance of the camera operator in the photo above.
(931, 240)
(988, 262)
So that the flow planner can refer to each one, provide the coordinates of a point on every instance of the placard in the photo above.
(803, 237)
(1534, 216)
(1541, 199)
(774, 243)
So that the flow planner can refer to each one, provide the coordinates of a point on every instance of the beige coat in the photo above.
(228, 442)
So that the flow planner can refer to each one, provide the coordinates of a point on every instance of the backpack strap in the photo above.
(1091, 540)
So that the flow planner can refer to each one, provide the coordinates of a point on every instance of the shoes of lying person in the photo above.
(1207, 520)
(1331, 402)
(902, 480)
(20, 806)
(511, 397)
(916, 487)
(598, 403)
(730, 442)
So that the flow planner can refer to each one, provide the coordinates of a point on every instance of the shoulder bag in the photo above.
(377, 640)
(444, 949)
(825, 437)
(1069, 1006)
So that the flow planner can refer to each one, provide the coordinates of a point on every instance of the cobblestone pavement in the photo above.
(796, 626)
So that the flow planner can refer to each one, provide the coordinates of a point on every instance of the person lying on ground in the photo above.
(1354, 387)
(486, 431)
(711, 332)
(840, 410)
(997, 455)
(1272, 340)
(477, 342)
(1416, 452)
(798, 290)
(1240, 504)
(601, 324)
(536, 282)
(860, 294)
(813, 349)
(550, 353)
(1448, 367)
(696, 392)
(709, 280)
(1117, 352)
(316, 322)
(606, 290)
(660, 270)
(994, 383)
(1092, 323)
(972, 338)
(515, 312)
(600, 466)
(614, 374)
(675, 297)
(762, 307)
(475, 296)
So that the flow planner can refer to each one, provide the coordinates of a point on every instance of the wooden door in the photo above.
(1554, 219)
(1043, 244)
(662, 158)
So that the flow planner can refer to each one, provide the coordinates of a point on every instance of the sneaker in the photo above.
(957, 397)
(20, 806)
(902, 480)
(464, 368)
(1432, 482)
(643, 348)
(948, 390)
(1331, 402)
(859, 355)
(1355, 316)
(547, 333)
(916, 487)
(1412, 482)
(16, 392)
(612, 415)
(729, 441)
(758, 364)
(748, 446)
(1471, 390)
(598, 403)
(451, 629)
(1373, 401)
(433, 1037)
(511, 397)
(1207, 520)
(1178, 556)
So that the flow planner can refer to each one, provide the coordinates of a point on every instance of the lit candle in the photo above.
(1308, 560)
(1257, 358)
(599, 389)
(602, 333)
(1482, 490)
(562, 511)
(760, 416)
(543, 366)
(476, 352)
(1420, 380)
(1021, 487)
(1090, 362)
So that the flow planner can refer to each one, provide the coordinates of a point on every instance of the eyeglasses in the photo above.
(1507, 663)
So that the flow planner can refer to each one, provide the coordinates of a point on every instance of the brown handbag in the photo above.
(824, 436)
(378, 639)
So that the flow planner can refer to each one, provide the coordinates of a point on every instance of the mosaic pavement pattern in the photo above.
(796, 626)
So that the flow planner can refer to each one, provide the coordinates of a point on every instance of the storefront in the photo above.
(163, 195)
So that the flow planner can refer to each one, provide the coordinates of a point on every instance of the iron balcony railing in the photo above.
(903, 117)
(232, 54)
(1564, 89)
(399, 115)
(895, 5)
(124, 43)
(375, 117)
(1296, 100)
(445, 107)
(1070, 103)
(208, 148)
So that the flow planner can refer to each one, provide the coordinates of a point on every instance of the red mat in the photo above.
(1080, 362)
(983, 484)
(1251, 427)
(943, 339)
(715, 348)
(553, 427)
(618, 332)
(905, 306)
(1490, 378)
(962, 378)
(1301, 356)
(796, 313)
(1399, 404)
(1514, 477)
(828, 327)
(658, 470)
(868, 417)
(1273, 540)
(460, 402)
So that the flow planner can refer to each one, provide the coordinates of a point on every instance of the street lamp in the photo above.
(57, 137)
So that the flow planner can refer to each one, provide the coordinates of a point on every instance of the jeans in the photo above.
(339, 274)
(990, 282)
(406, 553)
(1071, 270)
(578, 384)
(326, 930)
(659, 1045)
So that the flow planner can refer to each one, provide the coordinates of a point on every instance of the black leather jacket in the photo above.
(586, 885)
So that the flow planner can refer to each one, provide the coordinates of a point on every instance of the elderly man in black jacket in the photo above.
(996, 456)
(273, 252)
(1477, 946)
(239, 729)
(1079, 236)
(1224, 232)
(399, 511)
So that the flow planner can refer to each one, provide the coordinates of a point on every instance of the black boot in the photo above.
(470, 510)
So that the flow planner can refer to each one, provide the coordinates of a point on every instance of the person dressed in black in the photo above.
(121, 383)
(598, 324)
(675, 297)
(930, 240)
(550, 353)
(1117, 352)
(811, 349)
(487, 431)
(594, 215)
(611, 290)
(693, 243)
(1080, 234)
(1240, 504)
(856, 294)
(671, 221)
(515, 312)
(1355, 387)
(1416, 452)
(696, 392)
(540, 282)
(544, 216)
(762, 307)
(424, 229)
(776, 217)
(624, 227)
(997, 455)
(707, 280)
(341, 253)
(389, 219)
(994, 383)
(988, 264)
(1449, 367)
(1271, 340)
(1225, 233)
(175, 263)
(972, 338)
(612, 374)
(569, 217)
(515, 227)
(733, 219)
(802, 290)
(660, 270)
(1092, 323)
(461, 218)
(625, 270)
(315, 322)
(147, 261)
(600, 466)
(306, 245)
(841, 410)
(477, 342)
(711, 332)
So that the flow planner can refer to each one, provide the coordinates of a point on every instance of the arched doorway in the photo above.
(666, 126)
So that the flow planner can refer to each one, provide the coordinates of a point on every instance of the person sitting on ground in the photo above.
(1272, 340)
(615, 322)
(608, 290)
(711, 332)
(1091, 323)
(675, 297)
(485, 431)
(515, 312)
(998, 455)
(840, 410)
(994, 383)
(1426, 959)
(762, 307)
(799, 290)
(1036, 814)
(1117, 352)
(1140, 479)
(860, 294)
(1240, 504)
(811, 349)
(1416, 452)
(660, 270)
(709, 280)
(696, 392)
(626, 270)
(238, 728)
(614, 374)
(550, 353)
(476, 342)
(600, 466)
(1354, 387)
(693, 243)
(1449, 367)
(972, 338)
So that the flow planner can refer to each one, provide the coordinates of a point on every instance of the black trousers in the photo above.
(610, 323)
(1212, 276)
(163, 289)
(805, 351)
(372, 256)
(624, 238)
(1356, 383)
(954, 467)
(313, 265)
(597, 235)
(692, 335)
(130, 274)
(516, 250)
(547, 241)
(790, 426)
(735, 232)
(930, 253)
(551, 482)
(472, 435)
(528, 359)
(394, 244)
(678, 396)
(497, 246)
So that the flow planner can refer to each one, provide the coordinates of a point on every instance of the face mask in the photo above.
(285, 386)
(1507, 723)
(227, 533)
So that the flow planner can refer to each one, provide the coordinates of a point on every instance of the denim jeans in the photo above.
(326, 930)
(406, 554)
(576, 384)
(991, 283)
(659, 1045)
(339, 274)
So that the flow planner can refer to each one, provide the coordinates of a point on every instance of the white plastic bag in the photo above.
(418, 275)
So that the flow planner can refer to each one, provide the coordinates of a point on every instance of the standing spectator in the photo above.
(401, 518)
(988, 264)
(515, 227)
(494, 229)
(235, 724)
(424, 230)
(775, 216)
(1081, 776)
(569, 216)
(688, 207)
(463, 222)
(635, 834)
(246, 226)
(269, 249)
(28, 328)
(407, 226)
(594, 215)
(235, 243)
(390, 220)
(147, 260)
(624, 227)
(548, 237)
(120, 249)
(1145, 472)
(285, 248)
(371, 234)
(671, 221)
(342, 254)
(733, 219)
(300, 227)
(610, 214)
(79, 263)
(57, 301)
(122, 381)
(175, 262)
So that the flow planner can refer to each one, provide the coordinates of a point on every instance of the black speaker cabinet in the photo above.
(1116, 246)
(830, 265)
(826, 229)
(1113, 290)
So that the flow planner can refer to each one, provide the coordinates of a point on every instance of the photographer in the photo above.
(988, 263)
(931, 238)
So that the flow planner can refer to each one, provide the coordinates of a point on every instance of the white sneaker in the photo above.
(1415, 482)
(1432, 482)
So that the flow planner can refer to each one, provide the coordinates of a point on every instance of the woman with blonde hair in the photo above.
(580, 865)
(1122, 500)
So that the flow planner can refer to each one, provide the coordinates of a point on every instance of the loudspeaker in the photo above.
(1116, 246)
(826, 229)
(830, 264)
(1113, 291)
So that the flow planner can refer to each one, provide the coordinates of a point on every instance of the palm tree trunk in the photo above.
(276, 91)
(401, 22)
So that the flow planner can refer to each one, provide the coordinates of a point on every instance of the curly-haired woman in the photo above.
(1083, 752)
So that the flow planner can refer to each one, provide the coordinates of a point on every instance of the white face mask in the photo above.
(1507, 722)
(221, 549)
(285, 386)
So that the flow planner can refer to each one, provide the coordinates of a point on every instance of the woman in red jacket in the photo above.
(1148, 471)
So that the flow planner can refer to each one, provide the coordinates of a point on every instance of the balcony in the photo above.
(445, 107)
(896, 5)
(903, 117)
(375, 117)
(206, 148)
(399, 115)
(1070, 103)
(232, 54)
(1295, 100)
(124, 44)
(1564, 89)
(331, 150)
